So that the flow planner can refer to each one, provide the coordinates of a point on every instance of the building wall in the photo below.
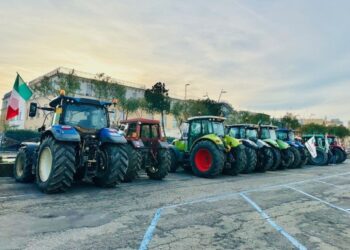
(85, 91)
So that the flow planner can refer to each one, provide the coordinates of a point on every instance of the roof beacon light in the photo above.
(62, 92)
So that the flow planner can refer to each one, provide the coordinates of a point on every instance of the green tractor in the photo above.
(283, 156)
(206, 150)
(259, 153)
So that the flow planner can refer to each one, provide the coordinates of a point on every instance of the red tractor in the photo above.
(337, 149)
(147, 149)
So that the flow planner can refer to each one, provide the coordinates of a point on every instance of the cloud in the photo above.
(272, 56)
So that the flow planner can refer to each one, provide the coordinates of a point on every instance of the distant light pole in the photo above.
(186, 85)
(221, 92)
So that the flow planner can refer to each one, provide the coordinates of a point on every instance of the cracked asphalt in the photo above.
(311, 205)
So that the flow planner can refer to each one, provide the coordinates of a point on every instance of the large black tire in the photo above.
(276, 158)
(207, 160)
(134, 165)
(58, 177)
(287, 158)
(22, 170)
(115, 164)
(265, 159)
(297, 158)
(173, 161)
(321, 158)
(161, 170)
(345, 156)
(252, 160)
(339, 155)
(239, 162)
(304, 154)
(331, 158)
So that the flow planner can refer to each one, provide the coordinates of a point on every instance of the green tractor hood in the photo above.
(282, 144)
(231, 141)
(271, 142)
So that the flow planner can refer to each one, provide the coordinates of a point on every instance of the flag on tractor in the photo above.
(310, 145)
(19, 95)
(326, 143)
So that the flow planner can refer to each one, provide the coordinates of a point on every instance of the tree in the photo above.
(100, 85)
(44, 88)
(203, 107)
(290, 121)
(130, 105)
(158, 100)
(69, 82)
(178, 110)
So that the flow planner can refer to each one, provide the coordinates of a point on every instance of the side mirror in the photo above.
(32, 109)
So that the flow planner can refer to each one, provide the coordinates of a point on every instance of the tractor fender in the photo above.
(262, 144)
(249, 143)
(108, 135)
(272, 143)
(231, 141)
(180, 145)
(137, 144)
(62, 133)
(293, 144)
(214, 139)
(282, 144)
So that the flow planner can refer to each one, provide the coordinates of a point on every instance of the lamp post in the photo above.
(221, 92)
(186, 85)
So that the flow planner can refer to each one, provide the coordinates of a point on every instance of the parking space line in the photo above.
(279, 229)
(149, 233)
(318, 199)
(330, 184)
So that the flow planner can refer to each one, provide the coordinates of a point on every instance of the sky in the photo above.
(272, 56)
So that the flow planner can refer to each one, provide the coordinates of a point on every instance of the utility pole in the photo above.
(221, 92)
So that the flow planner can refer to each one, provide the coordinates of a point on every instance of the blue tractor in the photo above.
(300, 152)
(77, 145)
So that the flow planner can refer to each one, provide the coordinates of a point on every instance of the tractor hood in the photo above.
(231, 141)
(111, 136)
(249, 143)
(261, 144)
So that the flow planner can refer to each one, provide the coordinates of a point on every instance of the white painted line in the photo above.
(330, 184)
(149, 233)
(14, 196)
(318, 199)
(279, 229)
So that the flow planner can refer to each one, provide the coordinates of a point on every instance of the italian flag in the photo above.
(19, 95)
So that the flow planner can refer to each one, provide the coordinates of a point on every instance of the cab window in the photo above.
(131, 129)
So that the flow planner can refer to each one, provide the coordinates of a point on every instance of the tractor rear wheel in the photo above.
(304, 156)
(56, 165)
(276, 158)
(207, 160)
(113, 165)
(239, 161)
(339, 155)
(297, 158)
(134, 165)
(22, 170)
(252, 160)
(287, 158)
(161, 170)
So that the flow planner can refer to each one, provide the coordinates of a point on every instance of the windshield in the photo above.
(291, 136)
(282, 135)
(268, 133)
(218, 128)
(85, 116)
(251, 133)
(273, 135)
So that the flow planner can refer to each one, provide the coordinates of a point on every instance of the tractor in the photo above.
(77, 145)
(324, 155)
(283, 156)
(206, 150)
(337, 149)
(259, 153)
(147, 149)
(301, 154)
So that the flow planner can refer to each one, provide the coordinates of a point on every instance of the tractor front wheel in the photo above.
(339, 155)
(56, 165)
(239, 162)
(276, 158)
(207, 160)
(287, 158)
(265, 161)
(22, 170)
(161, 170)
(135, 163)
(113, 165)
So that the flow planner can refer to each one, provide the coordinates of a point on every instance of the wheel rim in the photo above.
(19, 166)
(203, 159)
(45, 164)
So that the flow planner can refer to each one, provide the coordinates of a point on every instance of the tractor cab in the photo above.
(243, 131)
(267, 132)
(285, 134)
(199, 126)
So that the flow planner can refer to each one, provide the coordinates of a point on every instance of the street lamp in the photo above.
(221, 92)
(186, 85)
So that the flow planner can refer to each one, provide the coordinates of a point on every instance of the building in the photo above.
(334, 122)
(86, 90)
(312, 120)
